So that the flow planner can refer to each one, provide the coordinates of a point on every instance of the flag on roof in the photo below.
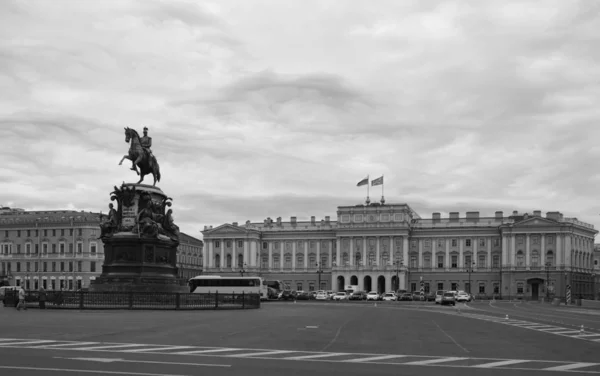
(378, 181)
(365, 181)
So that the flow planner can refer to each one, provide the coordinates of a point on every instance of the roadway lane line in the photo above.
(502, 363)
(158, 349)
(432, 361)
(361, 360)
(261, 353)
(567, 332)
(24, 343)
(65, 344)
(109, 347)
(588, 335)
(113, 360)
(315, 356)
(86, 371)
(204, 351)
(568, 367)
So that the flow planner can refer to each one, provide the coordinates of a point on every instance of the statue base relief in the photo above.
(140, 243)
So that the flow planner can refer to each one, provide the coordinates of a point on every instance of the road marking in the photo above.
(501, 363)
(433, 361)
(86, 371)
(312, 327)
(65, 344)
(112, 360)
(109, 347)
(314, 356)
(568, 367)
(567, 332)
(261, 353)
(588, 335)
(24, 342)
(204, 351)
(160, 349)
(361, 360)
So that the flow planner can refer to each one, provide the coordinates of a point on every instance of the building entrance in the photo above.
(535, 291)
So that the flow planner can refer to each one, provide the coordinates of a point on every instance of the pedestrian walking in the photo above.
(42, 298)
(21, 299)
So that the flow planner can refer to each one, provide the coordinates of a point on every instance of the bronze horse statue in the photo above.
(139, 158)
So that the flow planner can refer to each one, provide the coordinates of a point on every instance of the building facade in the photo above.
(60, 249)
(389, 247)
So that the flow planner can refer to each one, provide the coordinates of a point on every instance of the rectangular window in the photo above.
(454, 261)
(93, 266)
(299, 286)
(520, 288)
(53, 232)
(453, 286)
(79, 266)
(427, 261)
(28, 233)
(482, 288)
(70, 248)
(413, 261)
(27, 248)
(45, 248)
(36, 266)
(18, 266)
(62, 266)
(467, 242)
(53, 248)
(37, 249)
(218, 244)
(45, 232)
(413, 287)
(71, 232)
(28, 266)
(79, 248)
(550, 239)
(54, 266)
(468, 261)
(311, 286)
(482, 242)
(240, 244)
(229, 244)
(18, 233)
(519, 240)
(62, 232)
(496, 242)
(45, 266)
(468, 287)
(454, 242)
(62, 248)
(71, 266)
(440, 261)
(536, 240)
(481, 263)
(80, 231)
(265, 245)
(93, 249)
(426, 287)
(440, 285)
(18, 248)
(496, 261)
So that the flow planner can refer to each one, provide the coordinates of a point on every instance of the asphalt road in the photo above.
(320, 338)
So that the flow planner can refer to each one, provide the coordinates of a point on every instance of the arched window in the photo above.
(240, 261)
(520, 258)
(550, 257)
(229, 261)
(535, 258)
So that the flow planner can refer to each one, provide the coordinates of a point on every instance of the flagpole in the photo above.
(368, 183)
(382, 196)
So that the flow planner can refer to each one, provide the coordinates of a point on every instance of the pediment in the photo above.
(228, 229)
(535, 222)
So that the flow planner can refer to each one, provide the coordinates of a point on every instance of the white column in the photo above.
(504, 254)
(559, 257)
(246, 253)
(209, 257)
(364, 251)
(338, 251)
(391, 249)
(460, 263)
(405, 250)
(222, 253)
(489, 252)
(377, 252)
(420, 260)
(568, 251)
(281, 254)
(330, 261)
(447, 258)
(306, 254)
(319, 253)
(204, 255)
(351, 261)
(543, 250)
(253, 246)
(527, 252)
(270, 247)
(294, 254)
(513, 252)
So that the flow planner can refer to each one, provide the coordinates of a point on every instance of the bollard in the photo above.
(507, 317)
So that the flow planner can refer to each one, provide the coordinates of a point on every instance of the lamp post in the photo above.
(319, 271)
(548, 265)
(243, 270)
(470, 270)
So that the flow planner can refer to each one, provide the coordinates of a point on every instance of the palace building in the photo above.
(58, 249)
(386, 247)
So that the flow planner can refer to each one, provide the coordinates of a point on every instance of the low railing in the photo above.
(136, 300)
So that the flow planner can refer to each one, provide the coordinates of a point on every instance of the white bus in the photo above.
(205, 284)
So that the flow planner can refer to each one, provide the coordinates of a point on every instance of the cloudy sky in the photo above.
(278, 108)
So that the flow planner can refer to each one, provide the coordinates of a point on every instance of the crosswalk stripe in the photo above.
(370, 359)
(568, 367)
(433, 361)
(24, 343)
(108, 347)
(314, 356)
(159, 349)
(567, 332)
(65, 345)
(501, 363)
(588, 335)
(204, 351)
(261, 353)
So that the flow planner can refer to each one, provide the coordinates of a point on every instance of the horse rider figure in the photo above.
(146, 142)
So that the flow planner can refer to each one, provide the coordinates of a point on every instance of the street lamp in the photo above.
(242, 271)
(319, 271)
(548, 265)
(470, 270)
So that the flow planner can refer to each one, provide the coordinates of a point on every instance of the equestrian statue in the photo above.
(140, 154)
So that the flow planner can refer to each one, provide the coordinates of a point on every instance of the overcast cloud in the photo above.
(278, 108)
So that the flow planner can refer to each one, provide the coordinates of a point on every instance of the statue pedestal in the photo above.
(140, 251)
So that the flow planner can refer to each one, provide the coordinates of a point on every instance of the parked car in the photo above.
(407, 296)
(330, 295)
(358, 295)
(438, 296)
(303, 295)
(462, 296)
(322, 295)
(287, 295)
(340, 296)
(448, 298)
(418, 297)
(373, 295)
(389, 297)
(430, 297)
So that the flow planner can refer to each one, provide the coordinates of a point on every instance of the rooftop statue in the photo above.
(140, 154)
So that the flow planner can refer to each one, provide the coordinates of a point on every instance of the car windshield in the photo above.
(449, 294)
(389, 294)
(341, 293)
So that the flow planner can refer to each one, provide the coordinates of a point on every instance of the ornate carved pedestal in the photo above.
(140, 243)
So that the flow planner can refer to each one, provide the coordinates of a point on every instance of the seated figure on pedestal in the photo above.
(147, 221)
(109, 225)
